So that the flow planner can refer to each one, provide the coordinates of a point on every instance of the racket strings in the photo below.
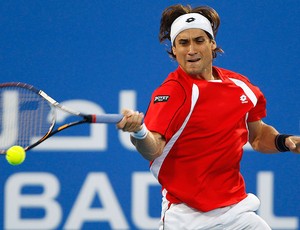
(25, 116)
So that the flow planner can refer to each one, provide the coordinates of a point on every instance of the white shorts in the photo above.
(240, 216)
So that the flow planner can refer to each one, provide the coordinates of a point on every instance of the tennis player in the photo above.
(195, 128)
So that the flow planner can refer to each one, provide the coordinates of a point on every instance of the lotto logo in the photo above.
(190, 19)
(243, 99)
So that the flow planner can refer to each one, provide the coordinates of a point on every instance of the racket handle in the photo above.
(107, 118)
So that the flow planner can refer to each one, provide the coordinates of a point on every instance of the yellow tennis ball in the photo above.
(15, 155)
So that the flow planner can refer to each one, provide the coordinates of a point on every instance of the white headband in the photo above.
(190, 21)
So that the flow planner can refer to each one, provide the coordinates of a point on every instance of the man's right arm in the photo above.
(149, 144)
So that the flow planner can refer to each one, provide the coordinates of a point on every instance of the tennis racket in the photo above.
(28, 116)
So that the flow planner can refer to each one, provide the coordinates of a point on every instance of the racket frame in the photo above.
(86, 118)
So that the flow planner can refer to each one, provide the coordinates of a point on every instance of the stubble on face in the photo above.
(193, 51)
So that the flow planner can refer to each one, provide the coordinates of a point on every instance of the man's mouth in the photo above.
(194, 60)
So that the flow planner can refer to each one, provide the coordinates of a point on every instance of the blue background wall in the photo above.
(105, 55)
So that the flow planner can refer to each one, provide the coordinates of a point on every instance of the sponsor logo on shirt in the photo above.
(161, 98)
(243, 99)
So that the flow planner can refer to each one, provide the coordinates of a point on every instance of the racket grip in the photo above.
(107, 118)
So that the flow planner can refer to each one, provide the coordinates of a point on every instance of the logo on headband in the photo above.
(190, 19)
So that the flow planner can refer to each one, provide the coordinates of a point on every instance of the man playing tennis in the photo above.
(195, 128)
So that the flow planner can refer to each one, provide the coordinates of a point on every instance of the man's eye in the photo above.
(200, 40)
(183, 42)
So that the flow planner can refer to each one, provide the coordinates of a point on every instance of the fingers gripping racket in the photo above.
(28, 116)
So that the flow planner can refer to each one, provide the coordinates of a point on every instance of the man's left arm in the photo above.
(266, 139)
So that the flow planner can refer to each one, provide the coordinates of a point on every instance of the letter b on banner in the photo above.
(15, 201)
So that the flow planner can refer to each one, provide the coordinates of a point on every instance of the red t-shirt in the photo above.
(205, 127)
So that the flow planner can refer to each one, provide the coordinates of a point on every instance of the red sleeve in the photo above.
(259, 110)
(166, 102)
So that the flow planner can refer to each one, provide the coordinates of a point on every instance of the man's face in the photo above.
(193, 51)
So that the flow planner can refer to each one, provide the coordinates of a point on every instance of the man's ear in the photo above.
(213, 44)
(174, 50)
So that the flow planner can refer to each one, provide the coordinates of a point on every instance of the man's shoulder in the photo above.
(231, 74)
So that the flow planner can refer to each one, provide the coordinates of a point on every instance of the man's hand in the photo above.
(132, 121)
(293, 143)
